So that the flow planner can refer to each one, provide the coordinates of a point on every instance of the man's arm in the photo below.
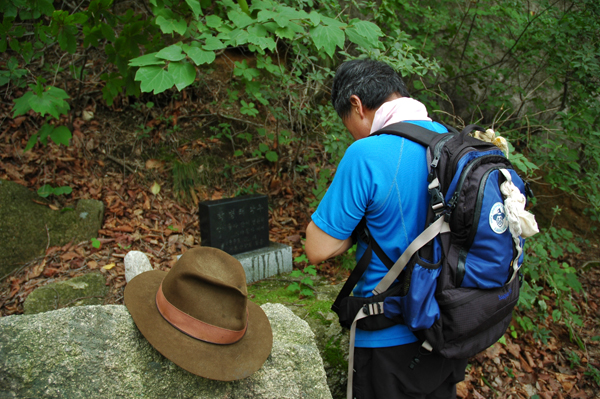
(320, 246)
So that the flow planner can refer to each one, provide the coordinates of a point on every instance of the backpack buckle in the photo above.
(373, 308)
(437, 199)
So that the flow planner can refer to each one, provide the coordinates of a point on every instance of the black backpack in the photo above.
(456, 284)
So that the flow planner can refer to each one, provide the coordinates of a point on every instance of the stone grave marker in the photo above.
(240, 227)
(235, 225)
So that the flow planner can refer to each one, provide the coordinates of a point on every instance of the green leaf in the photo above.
(285, 15)
(45, 191)
(307, 281)
(327, 38)
(61, 135)
(368, 30)
(271, 156)
(198, 55)
(63, 190)
(183, 74)
(57, 93)
(315, 18)
(67, 39)
(46, 103)
(171, 25)
(212, 43)
(556, 315)
(78, 18)
(195, 7)
(239, 19)
(213, 21)
(289, 32)
(293, 287)
(332, 22)
(44, 132)
(266, 15)
(154, 78)
(146, 60)
(171, 53)
(22, 106)
(31, 142)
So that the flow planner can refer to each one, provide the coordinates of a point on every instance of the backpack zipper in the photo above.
(463, 177)
(478, 203)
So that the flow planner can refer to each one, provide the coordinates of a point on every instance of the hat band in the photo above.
(193, 327)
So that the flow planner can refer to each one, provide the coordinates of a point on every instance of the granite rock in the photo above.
(97, 352)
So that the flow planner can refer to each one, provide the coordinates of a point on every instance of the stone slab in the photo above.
(266, 262)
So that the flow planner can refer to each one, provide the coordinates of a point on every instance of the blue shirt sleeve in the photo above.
(348, 196)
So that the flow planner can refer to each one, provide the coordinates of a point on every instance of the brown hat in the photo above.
(198, 316)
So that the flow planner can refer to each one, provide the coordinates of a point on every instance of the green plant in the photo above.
(45, 100)
(13, 75)
(305, 281)
(323, 180)
(574, 359)
(47, 190)
(96, 243)
(348, 259)
(541, 267)
(185, 178)
(594, 373)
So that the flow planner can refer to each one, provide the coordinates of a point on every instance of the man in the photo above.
(382, 178)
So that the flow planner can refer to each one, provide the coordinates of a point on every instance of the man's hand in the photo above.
(320, 246)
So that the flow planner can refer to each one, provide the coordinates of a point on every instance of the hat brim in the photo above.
(216, 362)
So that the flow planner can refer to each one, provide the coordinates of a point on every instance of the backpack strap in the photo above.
(361, 266)
(439, 226)
(410, 131)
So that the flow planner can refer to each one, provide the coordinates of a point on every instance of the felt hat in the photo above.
(198, 315)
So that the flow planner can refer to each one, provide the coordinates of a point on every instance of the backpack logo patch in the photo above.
(498, 221)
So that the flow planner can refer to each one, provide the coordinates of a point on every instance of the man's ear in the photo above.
(357, 105)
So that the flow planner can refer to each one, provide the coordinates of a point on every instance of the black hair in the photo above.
(371, 81)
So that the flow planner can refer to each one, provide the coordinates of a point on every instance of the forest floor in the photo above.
(118, 157)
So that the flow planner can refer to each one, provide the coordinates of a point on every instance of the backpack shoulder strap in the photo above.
(362, 264)
(410, 131)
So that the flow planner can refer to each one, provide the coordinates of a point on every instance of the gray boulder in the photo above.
(97, 352)
(27, 227)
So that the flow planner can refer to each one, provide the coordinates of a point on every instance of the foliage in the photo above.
(530, 69)
(47, 190)
(542, 267)
(305, 281)
(185, 178)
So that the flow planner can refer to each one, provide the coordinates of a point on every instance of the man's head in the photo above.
(373, 82)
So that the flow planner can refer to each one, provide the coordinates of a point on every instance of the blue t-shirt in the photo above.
(385, 178)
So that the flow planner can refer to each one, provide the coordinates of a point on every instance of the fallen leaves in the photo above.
(155, 189)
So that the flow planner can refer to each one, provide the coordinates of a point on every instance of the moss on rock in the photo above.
(331, 339)
(89, 289)
(28, 227)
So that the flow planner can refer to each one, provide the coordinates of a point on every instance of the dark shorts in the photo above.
(385, 373)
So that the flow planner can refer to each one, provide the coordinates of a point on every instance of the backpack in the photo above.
(456, 284)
